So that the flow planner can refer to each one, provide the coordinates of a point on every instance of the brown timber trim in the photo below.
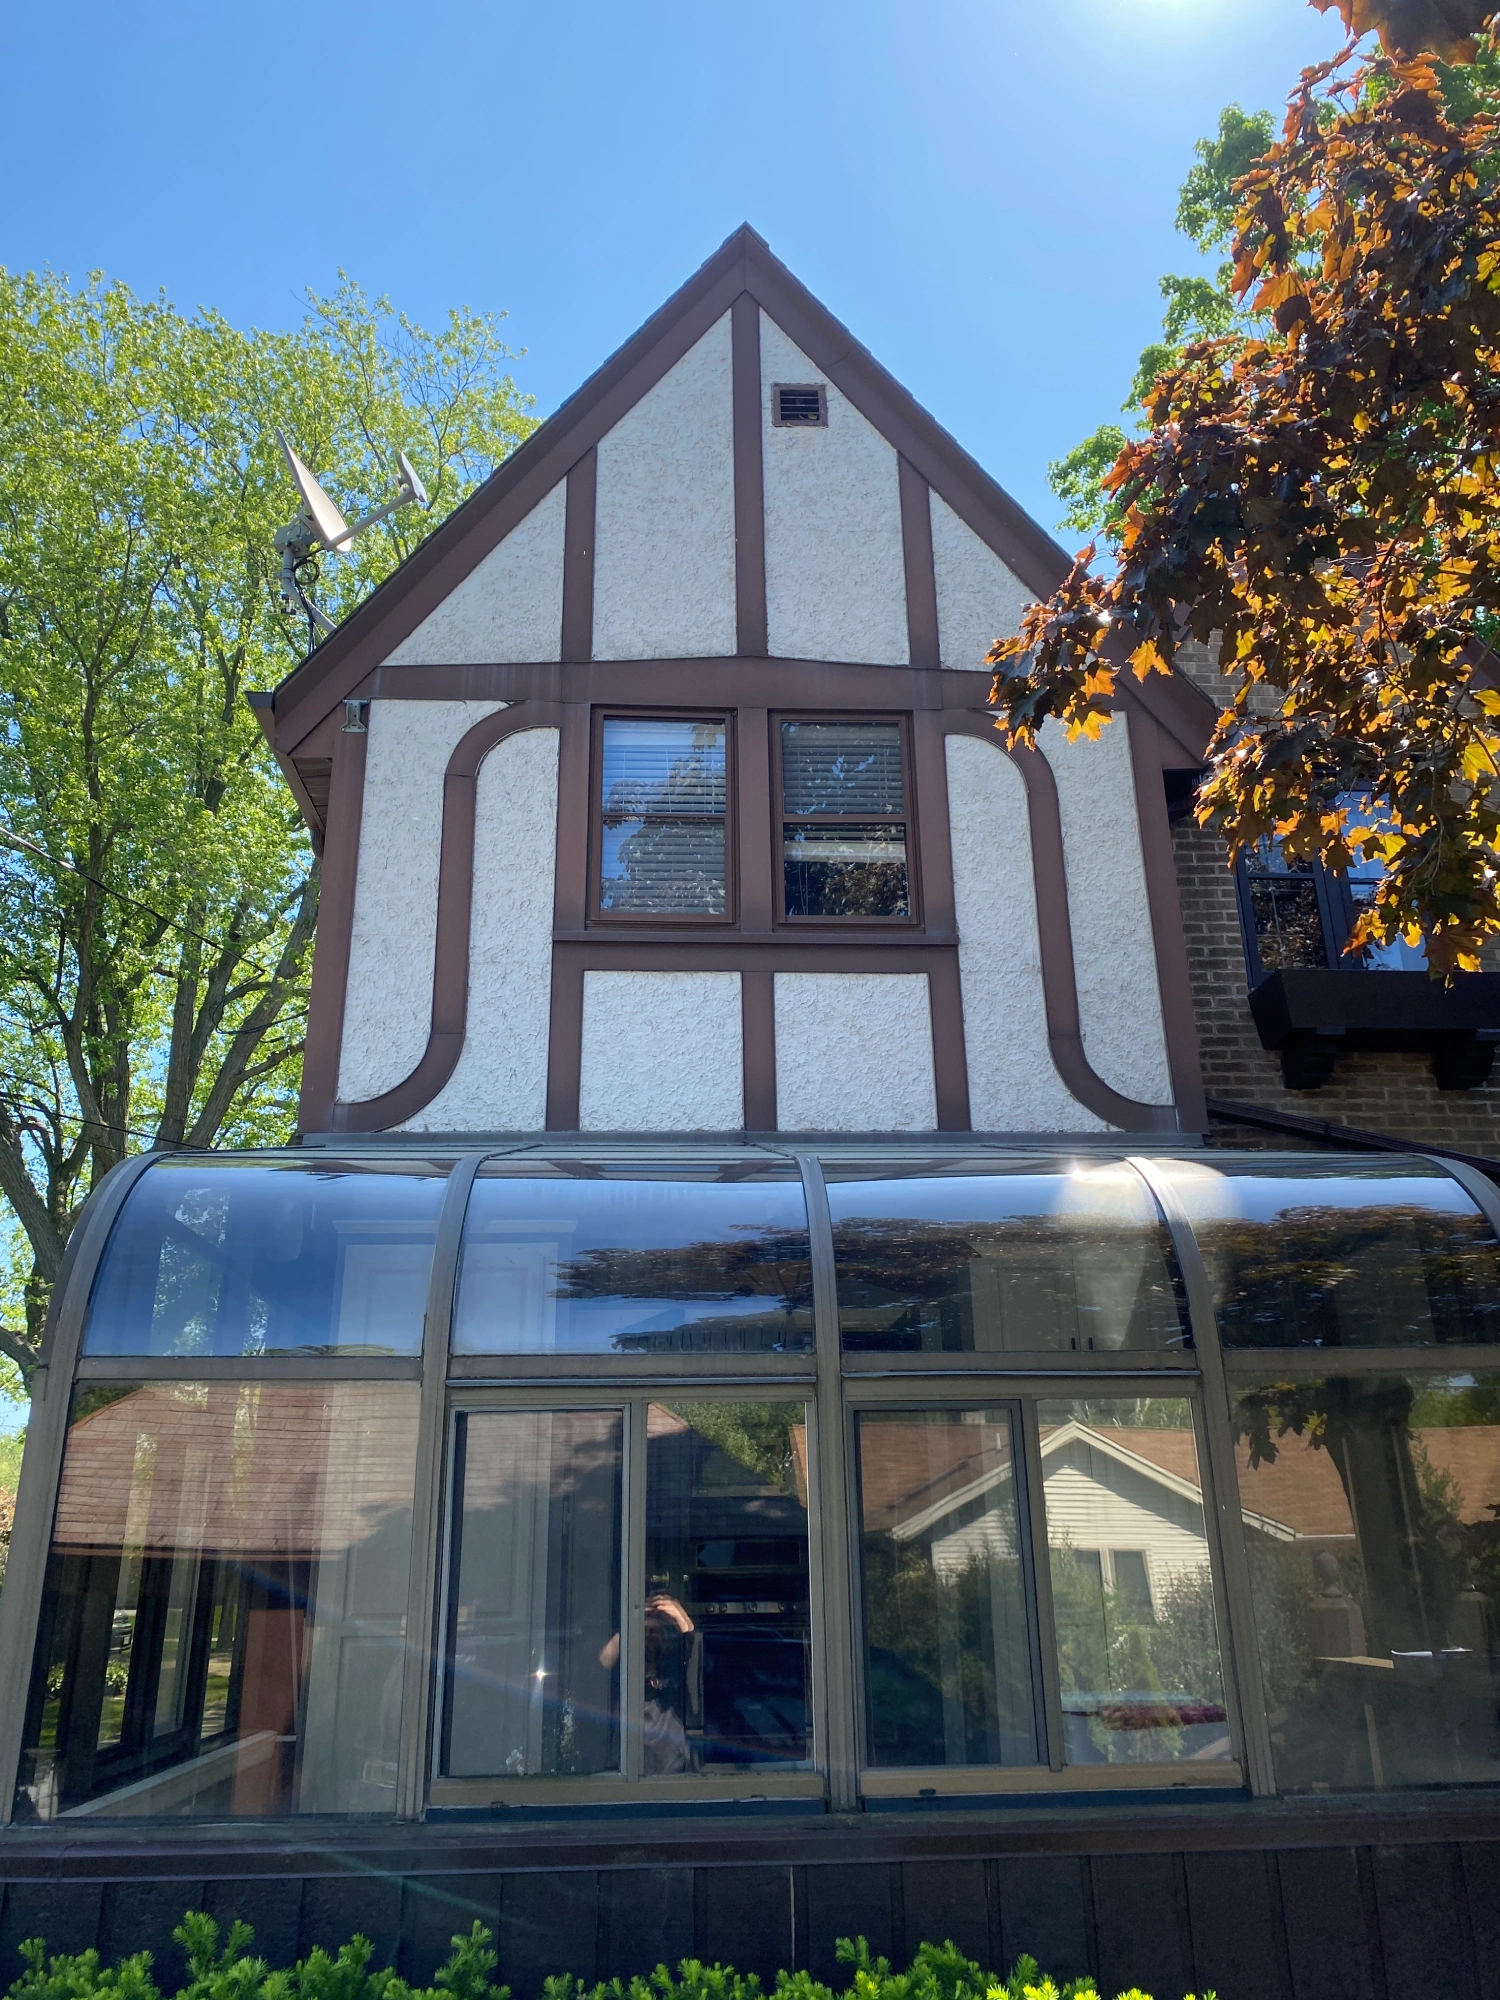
(749, 481)
(1148, 748)
(448, 555)
(1055, 940)
(950, 1061)
(450, 970)
(758, 1041)
(330, 974)
(736, 952)
(565, 1043)
(921, 576)
(262, 708)
(578, 559)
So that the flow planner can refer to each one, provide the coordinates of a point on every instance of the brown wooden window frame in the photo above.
(902, 719)
(661, 919)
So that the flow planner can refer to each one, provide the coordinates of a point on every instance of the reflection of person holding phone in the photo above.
(664, 1736)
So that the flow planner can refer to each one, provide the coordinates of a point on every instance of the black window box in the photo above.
(1309, 1016)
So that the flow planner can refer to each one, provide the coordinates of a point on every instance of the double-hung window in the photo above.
(662, 787)
(845, 795)
(1298, 915)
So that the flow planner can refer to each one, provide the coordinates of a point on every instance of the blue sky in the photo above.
(982, 189)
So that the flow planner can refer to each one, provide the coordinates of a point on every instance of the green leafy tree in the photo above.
(158, 892)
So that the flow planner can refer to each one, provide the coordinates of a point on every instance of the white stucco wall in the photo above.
(509, 606)
(1013, 1084)
(662, 1052)
(388, 1000)
(1119, 1000)
(854, 1052)
(835, 571)
(500, 1082)
(664, 524)
(979, 599)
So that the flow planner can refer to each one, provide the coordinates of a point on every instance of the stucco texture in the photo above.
(507, 609)
(835, 569)
(388, 999)
(500, 1082)
(979, 599)
(854, 1052)
(664, 583)
(1013, 1084)
(1114, 953)
(662, 1052)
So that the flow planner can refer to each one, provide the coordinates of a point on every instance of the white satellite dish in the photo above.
(321, 525)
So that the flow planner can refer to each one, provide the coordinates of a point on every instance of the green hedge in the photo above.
(938, 1972)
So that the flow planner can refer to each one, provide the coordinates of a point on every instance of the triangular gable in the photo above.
(529, 484)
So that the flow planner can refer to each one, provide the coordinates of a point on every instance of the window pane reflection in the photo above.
(1008, 1262)
(274, 1257)
(1370, 1253)
(1372, 1516)
(634, 1266)
(1132, 1592)
(947, 1659)
(532, 1687)
(727, 1631)
(225, 1602)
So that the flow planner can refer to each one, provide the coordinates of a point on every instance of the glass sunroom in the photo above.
(399, 1484)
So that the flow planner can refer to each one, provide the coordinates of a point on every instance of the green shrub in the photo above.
(938, 1972)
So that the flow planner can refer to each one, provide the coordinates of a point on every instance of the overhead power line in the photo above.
(30, 846)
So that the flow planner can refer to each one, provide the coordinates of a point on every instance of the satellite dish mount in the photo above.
(320, 525)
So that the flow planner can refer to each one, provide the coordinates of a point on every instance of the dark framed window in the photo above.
(663, 821)
(1299, 915)
(844, 808)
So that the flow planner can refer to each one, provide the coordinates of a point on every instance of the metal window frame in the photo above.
(832, 1386)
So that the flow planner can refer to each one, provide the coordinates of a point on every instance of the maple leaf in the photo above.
(1447, 29)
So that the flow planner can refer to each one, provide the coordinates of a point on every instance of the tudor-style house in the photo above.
(804, 1375)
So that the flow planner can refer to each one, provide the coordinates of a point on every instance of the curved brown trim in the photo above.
(450, 965)
(1055, 940)
(330, 973)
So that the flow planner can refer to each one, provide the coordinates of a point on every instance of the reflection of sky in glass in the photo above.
(961, 1200)
(1263, 1192)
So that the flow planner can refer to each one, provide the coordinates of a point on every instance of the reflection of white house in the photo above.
(1110, 1494)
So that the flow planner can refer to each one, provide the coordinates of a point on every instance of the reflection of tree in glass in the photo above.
(755, 1435)
(910, 1606)
(1108, 1643)
(673, 859)
(1280, 1281)
(755, 1262)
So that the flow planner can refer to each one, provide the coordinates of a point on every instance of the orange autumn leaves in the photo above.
(1447, 29)
(1319, 496)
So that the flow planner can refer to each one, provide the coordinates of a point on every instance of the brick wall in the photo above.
(1377, 1092)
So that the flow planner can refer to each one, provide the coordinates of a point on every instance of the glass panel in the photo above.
(533, 1642)
(1284, 910)
(1132, 1592)
(1048, 1259)
(1305, 1251)
(634, 1266)
(1364, 879)
(223, 1622)
(238, 1257)
(727, 1622)
(845, 871)
(664, 793)
(1372, 1518)
(947, 1654)
(842, 767)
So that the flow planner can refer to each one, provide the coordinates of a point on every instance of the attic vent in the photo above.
(799, 406)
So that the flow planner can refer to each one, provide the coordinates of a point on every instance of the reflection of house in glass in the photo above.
(246, 1548)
